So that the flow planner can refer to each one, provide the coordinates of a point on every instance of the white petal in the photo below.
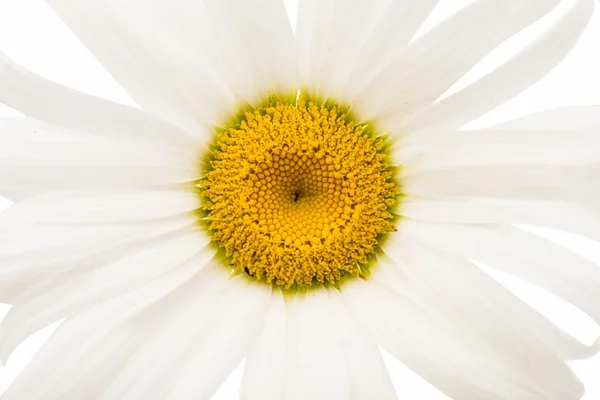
(100, 208)
(402, 329)
(436, 60)
(316, 366)
(91, 375)
(160, 362)
(43, 167)
(500, 147)
(203, 54)
(220, 348)
(551, 214)
(311, 29)
(76, 353)
(563, 118)
(529, 257)
(11, 290)
(368, 376)
(329, 38)
(455, 358)
(75, 295)
(161, 55)
(266, 365)
(514, 181)
(25, 242)
(36, 157)
(387, 40)
(28, 130)
(14, 194)
(276, 40)
(47, 101)
(467, 295)
(255, 42)
(516, 75)
(32, 256)
(90, 154)
(95, 370)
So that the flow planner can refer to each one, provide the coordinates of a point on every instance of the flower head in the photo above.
(296, 199)
(298, 194)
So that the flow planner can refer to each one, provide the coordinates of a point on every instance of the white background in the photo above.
(33, 36)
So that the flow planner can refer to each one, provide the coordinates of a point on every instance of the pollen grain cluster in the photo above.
(298, 194)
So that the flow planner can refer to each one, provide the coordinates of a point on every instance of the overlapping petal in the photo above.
(82, 114)
(106, 237)
(511, 78)
(188, 61)
(76, 292)
(80, 348)
(436, 60)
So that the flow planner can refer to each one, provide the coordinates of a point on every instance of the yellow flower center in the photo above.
(298, 194)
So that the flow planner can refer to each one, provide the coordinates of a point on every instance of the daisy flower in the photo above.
(296, 199)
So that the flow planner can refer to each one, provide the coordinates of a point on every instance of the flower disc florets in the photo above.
(298, 193)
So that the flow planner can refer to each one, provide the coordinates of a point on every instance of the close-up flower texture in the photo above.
(298, 194)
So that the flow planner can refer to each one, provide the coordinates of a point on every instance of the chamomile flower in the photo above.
(296, 199)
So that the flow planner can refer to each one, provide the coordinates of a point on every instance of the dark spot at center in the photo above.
(296, 196)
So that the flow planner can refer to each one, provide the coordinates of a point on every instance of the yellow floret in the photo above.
(298, 194)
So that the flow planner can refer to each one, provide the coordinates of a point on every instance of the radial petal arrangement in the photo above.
(297, 196)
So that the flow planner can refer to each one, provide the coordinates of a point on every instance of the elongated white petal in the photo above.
(367, 374)
(311, 29)
(535, 328)
(47, 101)
(433, 352)
(387, 40)
(14, 194)
(169, 78)
(10, 291)
(316, 367)
(152, 371)
(329, 38)
(19, 130)
(14, 243)
(95, 370)
(75, 295)
(116, 347)
(31, 255)
(220, 347)
(563, 118)
(500, 147)
(52, 178)
(515, 181)
(269, 365)
(480, 303)
(436, 60)
(276, 40)
(100, 208)
(208, 286)
(561, 215)
(203, 54)
(457, 359)
(522, 254)
(36, 157)
(266, 365)
(90, 154)
(510, 79)
(42, 167)
(76, 349)
(256, 46)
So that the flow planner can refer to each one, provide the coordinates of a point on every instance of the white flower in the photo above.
(178, 239)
